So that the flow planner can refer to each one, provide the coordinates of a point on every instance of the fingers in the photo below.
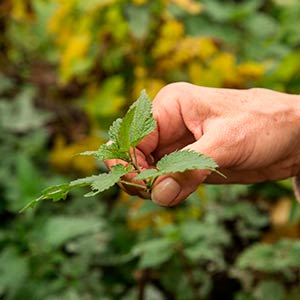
(171, 190)
(128, 179)
(174, 188)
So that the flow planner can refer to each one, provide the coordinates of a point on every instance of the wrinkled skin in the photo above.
(253, 135)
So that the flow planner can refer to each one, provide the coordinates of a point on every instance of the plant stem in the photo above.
(140, 186)
(136, 166)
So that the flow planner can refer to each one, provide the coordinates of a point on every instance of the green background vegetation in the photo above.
(67, 69)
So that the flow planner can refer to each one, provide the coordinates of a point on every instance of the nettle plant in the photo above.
(125, 134)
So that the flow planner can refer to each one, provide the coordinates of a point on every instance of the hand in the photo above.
(253, 135)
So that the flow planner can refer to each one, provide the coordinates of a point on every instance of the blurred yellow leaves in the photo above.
(73, 38)
(143, 80)
(98, 34)
(138, 220)
(280, 224)
(173, 48)
(190, 6)
(251, 70)
(21, 10)
(66, 159)
(76, 48)
(223, 71)
(141, 215)
(200, 58)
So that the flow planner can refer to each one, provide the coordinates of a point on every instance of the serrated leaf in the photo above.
(123, 140)
(56, 193)
(179, 161)
(59, 192)
(103, 182)
(143, 122)
(82, 181)
(135, 125)
(150, 173)
(114, 130)
(110, 151)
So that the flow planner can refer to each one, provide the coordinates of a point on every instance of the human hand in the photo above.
(253, 135)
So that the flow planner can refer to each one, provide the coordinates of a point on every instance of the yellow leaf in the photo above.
(61, 14)
(280, 211)
(189, 6)
(224, 64)
(64, 157)
(206, 48)
(151, 85)
(21, 10)
(196, 72)
(76, 49)
(172, 29)
(251, 70)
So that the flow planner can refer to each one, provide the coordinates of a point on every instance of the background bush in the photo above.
(67, 69)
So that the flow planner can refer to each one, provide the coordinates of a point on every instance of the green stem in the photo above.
(218, 172)
(140, 186)
(153, 181)
(135, 164)
(133, 161)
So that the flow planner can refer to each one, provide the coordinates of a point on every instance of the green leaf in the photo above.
(150, 173)
(56, 193)
(127, 132)
(279, 257)
(270, 290)
(81, 182)
(143, 122)
(124, 130)
(14, 269)
(153, 252)
(138, 20)
(60, 192)
(135, 125)
(98, 183)
(57, 230)
(114, 130)
(111, 151)
(103, 182)
(179, 161)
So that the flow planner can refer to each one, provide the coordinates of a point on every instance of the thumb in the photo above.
(174, 188)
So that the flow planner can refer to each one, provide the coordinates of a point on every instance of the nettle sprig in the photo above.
(125, 134)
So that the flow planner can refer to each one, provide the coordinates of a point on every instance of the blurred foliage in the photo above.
(67, 69)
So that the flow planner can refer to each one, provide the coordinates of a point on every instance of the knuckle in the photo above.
(174, 89)
(256, 91)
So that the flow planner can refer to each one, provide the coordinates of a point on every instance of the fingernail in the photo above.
(165, 192)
